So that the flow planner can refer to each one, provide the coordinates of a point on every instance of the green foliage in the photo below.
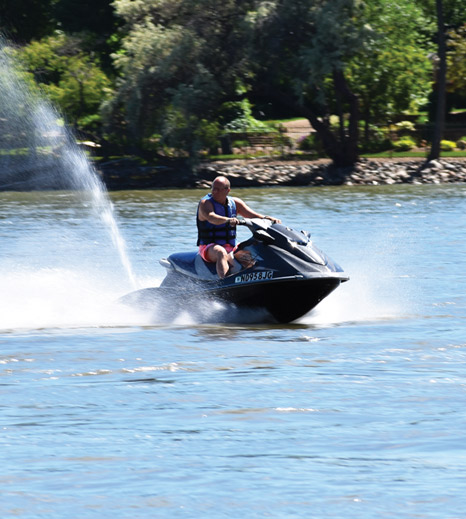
(71, 79)
(90, 123)
(461, 143)
(310, 143)
(454, 13)
(393, 72)
(405, 126)
(177, 57)
(183, 135)
(240, 118)
(377, 140)
(300, 51)
(188, 68)
(240, 143)
(456, 60)
(208, 135)
(447, 145)
(314, 57)
(81, 89)
(404, 144)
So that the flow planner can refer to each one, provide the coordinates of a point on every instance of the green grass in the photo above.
(393, 154)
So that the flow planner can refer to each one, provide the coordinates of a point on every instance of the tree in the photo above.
(357, 60)
(450, 14)
(302, 49)
(456, 60)
(70, 78)
(96, 24)
(393, 72)
(180, 60)
(188, 57)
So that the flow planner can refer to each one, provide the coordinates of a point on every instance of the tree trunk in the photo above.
(350, 141)
(341, 148)
(439, 123)
(367, 122)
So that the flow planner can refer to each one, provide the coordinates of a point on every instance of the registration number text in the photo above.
(254, 276)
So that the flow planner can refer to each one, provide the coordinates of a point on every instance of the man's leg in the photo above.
(218, 255)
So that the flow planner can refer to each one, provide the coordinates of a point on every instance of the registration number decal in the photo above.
(254, 276)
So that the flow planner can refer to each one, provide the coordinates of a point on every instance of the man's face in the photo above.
(220, 191)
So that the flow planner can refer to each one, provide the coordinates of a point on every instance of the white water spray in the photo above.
(43, 153)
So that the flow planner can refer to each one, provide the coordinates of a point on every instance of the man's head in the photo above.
(220, 189)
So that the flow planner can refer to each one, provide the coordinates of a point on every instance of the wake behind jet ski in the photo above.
(277, 269)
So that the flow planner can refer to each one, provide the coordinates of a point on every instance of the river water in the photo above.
(356, 411)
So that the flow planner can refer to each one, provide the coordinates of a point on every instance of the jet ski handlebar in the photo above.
(255, 222)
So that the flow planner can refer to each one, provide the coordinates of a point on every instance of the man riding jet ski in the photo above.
(277, 269)
(216, 223)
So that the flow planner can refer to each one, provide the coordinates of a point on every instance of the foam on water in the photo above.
(379, 289)
(359, 299)
(63, 298)
(66, 297)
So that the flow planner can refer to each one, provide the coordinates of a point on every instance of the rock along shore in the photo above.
(322, 173)
(263, 172)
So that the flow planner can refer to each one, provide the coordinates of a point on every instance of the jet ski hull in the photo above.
(284, 300)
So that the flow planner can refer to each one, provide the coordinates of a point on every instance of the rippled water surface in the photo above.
(356, 411)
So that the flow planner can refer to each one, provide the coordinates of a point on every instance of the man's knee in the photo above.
(217, 252)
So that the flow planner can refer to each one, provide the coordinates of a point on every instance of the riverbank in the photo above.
(319, 173)
(266, 172)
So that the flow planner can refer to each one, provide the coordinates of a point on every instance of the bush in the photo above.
(310, 143)
(208, 135)
(90, 123)
(404, 144)
(306, 143)
(240, 144)
(238, 117)
(447, 145)
(376, 140)
(461, 144)
(405, 126)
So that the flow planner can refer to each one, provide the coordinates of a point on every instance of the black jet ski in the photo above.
(276, 269)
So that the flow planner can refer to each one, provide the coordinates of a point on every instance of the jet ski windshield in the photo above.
(299, 238)
(297, 243)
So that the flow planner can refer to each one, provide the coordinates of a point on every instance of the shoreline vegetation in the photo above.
(168, 80)
(125, 174)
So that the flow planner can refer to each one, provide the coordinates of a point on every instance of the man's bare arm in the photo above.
(207, 213)
(244, 210)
